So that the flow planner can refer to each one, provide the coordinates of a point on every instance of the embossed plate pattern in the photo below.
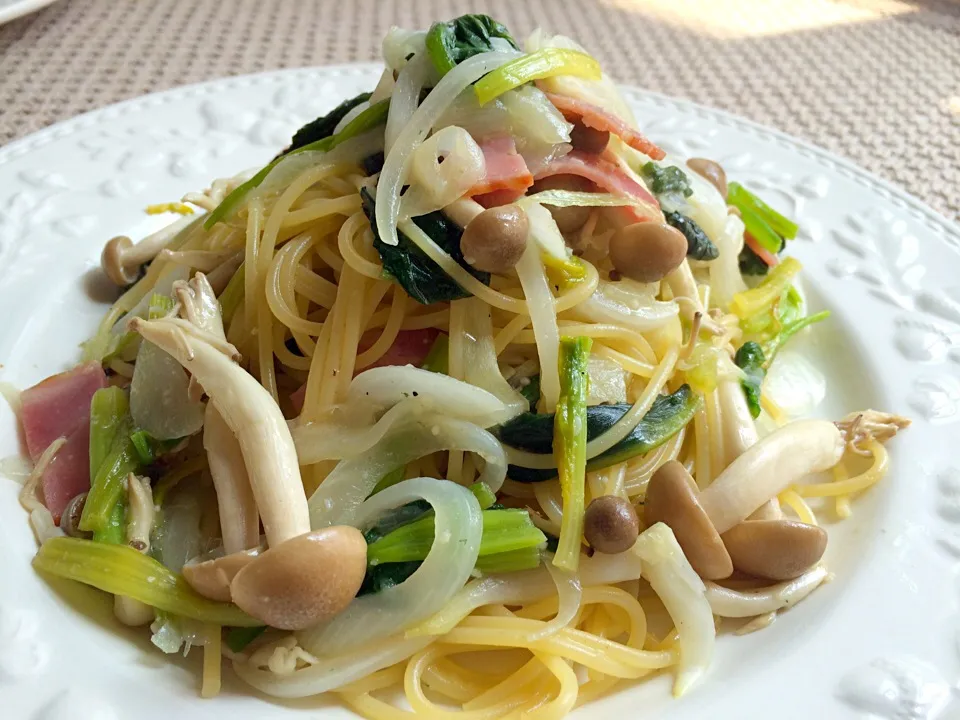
(881, 641)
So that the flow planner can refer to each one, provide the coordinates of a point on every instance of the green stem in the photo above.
(740, 197)
(535, 66)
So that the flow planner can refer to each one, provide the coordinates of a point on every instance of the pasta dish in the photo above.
(457, 405)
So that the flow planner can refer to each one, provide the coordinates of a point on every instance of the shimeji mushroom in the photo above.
(140, 519)
(121, 259)
(775, 549)
(337, 556)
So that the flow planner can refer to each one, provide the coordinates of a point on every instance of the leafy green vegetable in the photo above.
(438, 359)
(761, 231)
(772, 346)
(144, 447)
(699, 246)
(750, 263)
(761, 298)
(570, 445)
(744, 200)
(372, 164)
(751, 360)
(503, 531)
(533, 432)
(324, 126)
(450, 43)
(372, 117)
(160, 306)
(396, 518)
(381, 577)
(790, 308)
(484, 495)
(115, 531)
(531, 392)
(239, 637)
(544, 63)
(121, 570)
(666, 178)
(420, 276)
(114, 456)
(512, 561)
(388, 480)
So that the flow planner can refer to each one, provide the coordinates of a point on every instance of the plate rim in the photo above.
(22, 8)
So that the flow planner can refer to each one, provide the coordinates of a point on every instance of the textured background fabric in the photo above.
(877, 81)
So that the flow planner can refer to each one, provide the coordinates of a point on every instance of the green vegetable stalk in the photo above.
(484, 495)
(113, 454)
(512, 561)
(449, 44)
(772, 346)
(751, 360)
(760, 299)
(746, 202)
(544, 63)
(370, 118)
(570, 446)
(121, 570)
(503, 531)
(438, 359)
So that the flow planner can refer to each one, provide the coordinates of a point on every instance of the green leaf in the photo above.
(534, 432)
(239, 637)
(324, 126)
(450, 43)
(666, 179)
(420, 276)
(699, 246)
(742, 198)
(751, 264)
(531, 392)
(438, 359)
(773, 346)
(750, 359)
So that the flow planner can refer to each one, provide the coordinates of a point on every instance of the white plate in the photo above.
(882, 639)
(12, 9)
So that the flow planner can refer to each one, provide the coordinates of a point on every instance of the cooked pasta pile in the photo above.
(485, 366)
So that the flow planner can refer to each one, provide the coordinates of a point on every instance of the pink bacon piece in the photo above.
(585, 113)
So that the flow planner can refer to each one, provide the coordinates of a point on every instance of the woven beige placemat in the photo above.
(877, 81)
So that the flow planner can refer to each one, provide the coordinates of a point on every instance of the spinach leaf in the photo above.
(699, 246)
(750, 359)
(450, 43)
(381, 577)
(373, 164)
(666, 178)
(239, 637)
(750, 263)
(420, 276)
(323, 126)
(534, 432)
(397, 517)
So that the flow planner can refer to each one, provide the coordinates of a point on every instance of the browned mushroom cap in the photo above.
(610, 524)
(775, 549)
(112, 261)
(711, 171)
(672, 499)
(494, 241)
(212, 578)
(647, 251)
(305, 580)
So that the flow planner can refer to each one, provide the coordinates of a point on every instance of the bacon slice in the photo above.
(585, 113)
(608, 176)
(507, 173)
(60, 407)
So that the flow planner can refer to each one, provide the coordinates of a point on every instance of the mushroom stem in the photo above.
(139, 526)
(683, 285)
(121, 258)
(462, 211)
(739, 435)
(239, 517)
(767, 468)
(250, 412)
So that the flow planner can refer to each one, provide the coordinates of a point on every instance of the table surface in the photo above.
(876, 81)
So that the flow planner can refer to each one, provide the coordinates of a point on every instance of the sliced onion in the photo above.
(543, 317)
(406, 96)
(458, 528)
(399, 44)
(706, 206)
(751, 603)
(480, 361)
(683, 594)
(330, 673)
(384, 88)
(160, 401)
(396, 167)
(339, 497)
(443, 168)
(526, 586)
(625, 303)
(177, 538)
(725, 278)
(351, 114)
(534, 120)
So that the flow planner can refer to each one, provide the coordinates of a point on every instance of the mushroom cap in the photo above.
(495, 240)
(111, 260)
(647, 251)
(775, 549)
(672, 499)
(212, 578)
(305, 580)
(610, 524)
(712, 171)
